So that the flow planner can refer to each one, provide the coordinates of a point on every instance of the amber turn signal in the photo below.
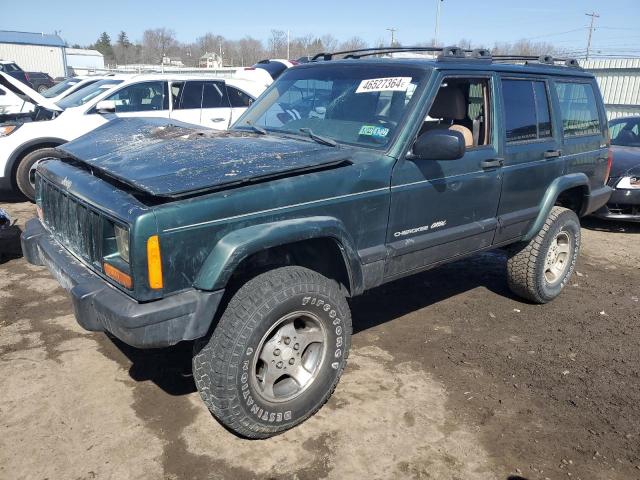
(154, 262)
(118, 275)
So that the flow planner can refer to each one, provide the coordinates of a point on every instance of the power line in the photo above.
(556, 33)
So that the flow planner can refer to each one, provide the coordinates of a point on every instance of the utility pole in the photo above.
(288, 53)
(593, 16)
(437, 35)
(393, 35)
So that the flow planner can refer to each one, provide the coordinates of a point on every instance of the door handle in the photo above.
(494, 163)
(218, 119)
(552, 153)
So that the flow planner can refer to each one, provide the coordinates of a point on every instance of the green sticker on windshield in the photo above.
(373, 131)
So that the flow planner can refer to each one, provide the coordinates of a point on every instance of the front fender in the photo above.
(558, 186)
(234, 247)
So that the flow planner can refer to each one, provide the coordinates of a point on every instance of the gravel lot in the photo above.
(450, 377)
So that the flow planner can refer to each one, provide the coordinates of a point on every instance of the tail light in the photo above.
(609, 163)
(249, 68)
(26, 75)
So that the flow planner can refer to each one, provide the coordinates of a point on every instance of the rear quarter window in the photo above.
(526, 108)
(578, 108)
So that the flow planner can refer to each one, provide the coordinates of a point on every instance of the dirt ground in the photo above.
(450, 377)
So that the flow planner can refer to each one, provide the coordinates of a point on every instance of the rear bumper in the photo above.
(596, 199)
(98, 306)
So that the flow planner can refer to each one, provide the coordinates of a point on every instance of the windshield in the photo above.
(354, 104)
(85, 94)
(60, 87)
(625, 132)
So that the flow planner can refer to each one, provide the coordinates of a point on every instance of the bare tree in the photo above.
(278, 43)
(250, 50)
(158, 43)
(354, 43)
(329, 43)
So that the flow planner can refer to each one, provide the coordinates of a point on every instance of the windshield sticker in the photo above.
(373, 131)
(389, 84)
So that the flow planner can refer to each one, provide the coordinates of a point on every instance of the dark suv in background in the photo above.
(344, 175)
(625, 171)
(12, 68)
(39, 81)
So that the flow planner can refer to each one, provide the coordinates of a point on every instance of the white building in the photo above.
(619, 81)
(34, 52)
(210, 60)
(84, 61)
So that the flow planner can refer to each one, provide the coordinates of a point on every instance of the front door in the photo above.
(441, 209)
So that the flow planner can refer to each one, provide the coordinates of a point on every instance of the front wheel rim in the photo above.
(289, 357)
(558, 258)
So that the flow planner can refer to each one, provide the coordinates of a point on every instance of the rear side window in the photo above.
(526, 107)
(579, 109)
(213, 95)
(238, 98)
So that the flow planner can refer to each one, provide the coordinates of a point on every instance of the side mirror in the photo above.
(438, 144)
(106, 106)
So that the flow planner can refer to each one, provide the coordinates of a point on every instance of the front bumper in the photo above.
(100, 307)
(624, 204)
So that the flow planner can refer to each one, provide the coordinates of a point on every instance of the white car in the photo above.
(199, 99)
(70, 85)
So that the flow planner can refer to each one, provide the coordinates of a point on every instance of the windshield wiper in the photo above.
(256, 128)
(318, 138)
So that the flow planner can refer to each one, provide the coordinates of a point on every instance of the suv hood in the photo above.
(170, 159)
(26, 93)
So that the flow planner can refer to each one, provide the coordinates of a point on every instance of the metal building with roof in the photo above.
(34, 52)
(619, 81)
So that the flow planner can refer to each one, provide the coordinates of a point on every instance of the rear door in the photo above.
(216, 109)
(583, 126)
(187, 101)
(533, 155)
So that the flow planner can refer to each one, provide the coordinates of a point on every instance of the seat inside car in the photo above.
(450, 107)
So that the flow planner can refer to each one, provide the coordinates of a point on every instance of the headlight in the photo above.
(8, 129)
(629, 182)
(122, 242)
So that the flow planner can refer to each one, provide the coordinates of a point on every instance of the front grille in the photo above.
(74, 225)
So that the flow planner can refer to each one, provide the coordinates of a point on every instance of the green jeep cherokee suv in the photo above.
(344, 175)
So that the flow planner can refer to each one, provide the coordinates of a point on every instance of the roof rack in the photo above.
(451, 53)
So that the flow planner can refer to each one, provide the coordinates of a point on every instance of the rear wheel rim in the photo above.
(558, 258)
(289, 357)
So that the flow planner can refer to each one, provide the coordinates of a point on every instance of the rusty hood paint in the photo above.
(167, 158)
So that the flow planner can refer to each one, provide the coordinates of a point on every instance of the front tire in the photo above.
(540, 269)
(277, 353)
(24, 175)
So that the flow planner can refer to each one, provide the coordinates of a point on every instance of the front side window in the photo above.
(579, 109)
(84, 94)
(140, 97)
(625, 133)
(354, 104)
(526, 107)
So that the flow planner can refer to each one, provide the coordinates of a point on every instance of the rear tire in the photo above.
(42, 88)
(539, 270)
(277, 353)
(24, 179)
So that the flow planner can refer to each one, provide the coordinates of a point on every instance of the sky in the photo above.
(484, 22)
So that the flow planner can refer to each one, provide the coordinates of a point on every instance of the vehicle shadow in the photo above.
(616, 226)
(170, 368)
(12, 197)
